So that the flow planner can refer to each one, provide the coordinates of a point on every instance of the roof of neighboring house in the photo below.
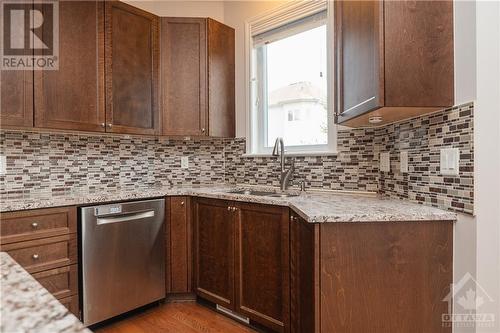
(297, 92)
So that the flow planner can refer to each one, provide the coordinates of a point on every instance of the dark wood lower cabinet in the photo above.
(214, 251)
(242, 259)
(304, 275)
(72, 304)
(385, 277)
(370, 277)
(262, 264)
(44, 243)
(178, 237)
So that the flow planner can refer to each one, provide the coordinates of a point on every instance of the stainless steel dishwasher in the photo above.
(123, 257)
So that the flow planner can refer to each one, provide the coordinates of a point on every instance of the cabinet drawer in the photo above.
(35, 224)
(72, 304)
(43, 254)
(60, 282)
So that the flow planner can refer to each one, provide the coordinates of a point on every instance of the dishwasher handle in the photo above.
(125, 218)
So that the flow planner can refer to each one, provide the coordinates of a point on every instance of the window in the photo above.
(289, 85)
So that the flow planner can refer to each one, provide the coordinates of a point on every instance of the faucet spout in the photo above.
(279, 150)
(285, 175)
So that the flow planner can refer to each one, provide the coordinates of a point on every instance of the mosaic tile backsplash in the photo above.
(423, 139)
(55, 162)
(48, 162)
(353, 168)
(356, 166)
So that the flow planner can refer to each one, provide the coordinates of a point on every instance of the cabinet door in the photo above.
(304, 275)
(178, 245)
(221, 98)
(421, 33)
(73, 96)
(184, 75)
(262, 264)
(16, 108)
(214, 251)
(359, 57)
(132, 55)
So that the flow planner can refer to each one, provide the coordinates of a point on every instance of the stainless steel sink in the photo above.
(283, 195)
(263, 193)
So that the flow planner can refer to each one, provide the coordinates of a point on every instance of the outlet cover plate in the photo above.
(3, 165)
(184, 162)
(449, 161)
(385, 162)
(403, 161)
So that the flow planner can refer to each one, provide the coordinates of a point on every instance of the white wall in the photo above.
(464, 257)
(465, 51)
(464, 252)
(487, 155)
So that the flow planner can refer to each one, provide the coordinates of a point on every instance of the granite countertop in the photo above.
(313, 206)
(27, 307)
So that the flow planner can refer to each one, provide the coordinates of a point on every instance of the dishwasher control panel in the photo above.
(108, 209)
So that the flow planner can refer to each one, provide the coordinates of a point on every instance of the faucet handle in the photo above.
(301, 184)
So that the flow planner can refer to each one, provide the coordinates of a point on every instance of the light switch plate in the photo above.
(184, 162)
(403, 161)
(3, 165)
(449, 161)
(385, 162)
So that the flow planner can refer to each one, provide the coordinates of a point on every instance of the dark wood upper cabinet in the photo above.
(262, 264)
(214, 251)
(394, 59)
(16, 108)
(221, 62)
(73, 96)
(132, 69)
(197, 56)
(184, 75)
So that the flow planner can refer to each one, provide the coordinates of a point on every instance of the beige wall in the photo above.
(213, 9)
(235, 14)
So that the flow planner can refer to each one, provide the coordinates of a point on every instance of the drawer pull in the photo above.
(34, 225)
(35, 256)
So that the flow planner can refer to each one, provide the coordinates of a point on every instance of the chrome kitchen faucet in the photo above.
(285, 175)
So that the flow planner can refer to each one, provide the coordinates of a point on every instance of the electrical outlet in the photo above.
(184, 162)
(449, 161)
(403, 162)
(3, 165)
(385, 162)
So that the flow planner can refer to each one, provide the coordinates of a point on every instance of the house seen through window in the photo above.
(290, 67)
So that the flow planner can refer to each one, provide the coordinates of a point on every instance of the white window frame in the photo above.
(270, 20)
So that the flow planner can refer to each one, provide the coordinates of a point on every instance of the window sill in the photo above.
(294, 154)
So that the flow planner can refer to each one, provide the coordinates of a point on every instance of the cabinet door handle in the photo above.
(228, 208)
(34, 225)
(110, 125)
(35, 256)
(203, 130)
(182, 203)
(103, 125)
